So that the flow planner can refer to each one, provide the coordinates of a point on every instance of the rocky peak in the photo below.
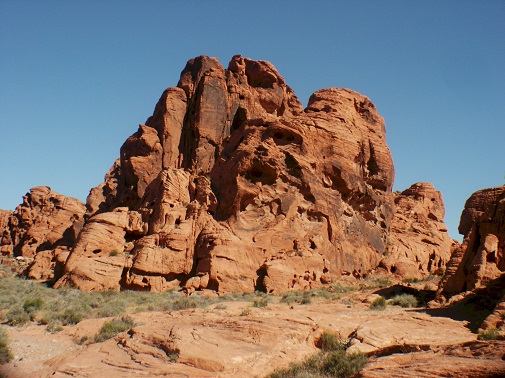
(232, 186)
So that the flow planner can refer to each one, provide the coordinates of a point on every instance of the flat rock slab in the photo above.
(236, 340)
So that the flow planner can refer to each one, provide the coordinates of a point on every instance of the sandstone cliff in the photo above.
(232, 186)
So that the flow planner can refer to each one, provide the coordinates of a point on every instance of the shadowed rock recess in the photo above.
(232, 186)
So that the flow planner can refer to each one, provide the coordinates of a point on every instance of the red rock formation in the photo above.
(232, 186)
(44, 226)
(5, 235)
(481, 257)
(418, 244)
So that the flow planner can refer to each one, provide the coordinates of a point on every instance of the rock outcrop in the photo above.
(481, 257)
(232, 186)
(41, 230)
(418, 244)
(5, 235)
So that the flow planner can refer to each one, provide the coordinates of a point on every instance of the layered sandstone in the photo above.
(418, 243)
(481, 258)
(232, 186)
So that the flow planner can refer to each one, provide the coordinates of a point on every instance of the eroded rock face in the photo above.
(481, 257)
(232, 186)
(418, 243)
(41, 230)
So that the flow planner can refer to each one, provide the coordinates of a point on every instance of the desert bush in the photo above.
(330, 342)
(72, 315)
(404, 300)
(31, 305)
(113, 307)
(489, 334)
(54, 327)
(378, 304)
(112, 328)
(17, 316)
(184, 303)
(300, 297)
(339, 288)
(5, 352)
(245, 311)
(376, 282)
(114, 253)
(332, 361)
(410, 280)
(261, 301)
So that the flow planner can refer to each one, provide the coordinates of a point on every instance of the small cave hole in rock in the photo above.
(393, 269)
(491, 257)
(97, 251)
(313, 245)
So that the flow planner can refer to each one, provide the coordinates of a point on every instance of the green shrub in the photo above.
(410, 280)
(378, 304)
(54, 327)
(184, 303)
(332, 361)
(246, 311)
(31, 305)
(112, 328)
(329, 342)
(489, 334)
(404, 300)
(339, 288)
(5, 352)
(114, 253)
(377, 282)
(113, 307)
(300, 297)
(71, 316)
(17, 316)
(260, 302)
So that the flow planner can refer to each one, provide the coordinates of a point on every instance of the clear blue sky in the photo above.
(77, 77)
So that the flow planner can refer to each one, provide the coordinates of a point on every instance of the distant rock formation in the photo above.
(481, 257)
(232, 186)
(41, 230)
(418, 244)
(5, 236)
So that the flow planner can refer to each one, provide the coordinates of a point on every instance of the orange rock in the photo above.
(418, 243)
(232, 180)
(481, 257)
